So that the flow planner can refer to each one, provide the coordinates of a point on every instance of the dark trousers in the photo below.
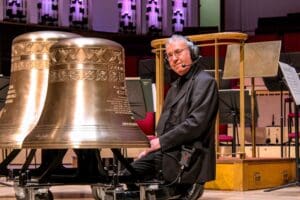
(149, 166)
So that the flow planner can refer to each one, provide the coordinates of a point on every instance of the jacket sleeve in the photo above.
(201, 107)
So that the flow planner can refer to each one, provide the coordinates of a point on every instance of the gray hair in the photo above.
(176, 37)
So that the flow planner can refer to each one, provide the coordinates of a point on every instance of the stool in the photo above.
(223, 135)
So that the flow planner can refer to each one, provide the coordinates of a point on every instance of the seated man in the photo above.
(184, 150)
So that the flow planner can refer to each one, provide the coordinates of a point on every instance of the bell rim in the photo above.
(41, 35)
(95, 145)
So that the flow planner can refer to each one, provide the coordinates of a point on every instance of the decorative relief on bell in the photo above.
(29, 64)
(71, 55)
(28, 55)
(23, 48)
(104, 64)
(63, 75)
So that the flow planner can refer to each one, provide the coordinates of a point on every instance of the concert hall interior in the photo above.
(83, 85)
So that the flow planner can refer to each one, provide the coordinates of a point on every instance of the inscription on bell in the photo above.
(119, 105)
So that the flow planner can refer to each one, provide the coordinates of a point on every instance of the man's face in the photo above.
(178, 54)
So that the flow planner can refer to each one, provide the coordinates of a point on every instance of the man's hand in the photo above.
(154, 146)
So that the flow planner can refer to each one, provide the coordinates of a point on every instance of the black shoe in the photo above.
(193, 193)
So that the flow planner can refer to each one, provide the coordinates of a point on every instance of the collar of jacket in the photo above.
(181, 80)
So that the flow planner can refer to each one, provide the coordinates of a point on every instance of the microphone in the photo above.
(186, 65)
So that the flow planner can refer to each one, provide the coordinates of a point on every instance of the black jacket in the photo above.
(188, 118)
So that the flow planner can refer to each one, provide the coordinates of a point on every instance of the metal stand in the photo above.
(234, 115)
(281, 118)
(277, 84)
(297, 160)
(229, 109)
(34, 184)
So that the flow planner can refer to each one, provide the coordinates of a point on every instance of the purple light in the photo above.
(15, 5)
(47, 7)
(48, 12)
(154, 14)
(179, 14)
(127, 12)
(80, 10)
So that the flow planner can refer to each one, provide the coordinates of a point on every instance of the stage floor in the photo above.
(84, 192)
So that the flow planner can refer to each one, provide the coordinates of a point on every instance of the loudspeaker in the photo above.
(272, 135)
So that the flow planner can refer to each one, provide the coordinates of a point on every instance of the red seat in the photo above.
(148, 123)
(225, 138)
(293, 114)
(292, 135)
(290, 121)
(223, 134)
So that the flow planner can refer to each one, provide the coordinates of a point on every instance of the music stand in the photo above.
(260, 60)
(293, 83)
(292, 59)
(146, 70)
(229, 111)
(276, 83)
(140, 96)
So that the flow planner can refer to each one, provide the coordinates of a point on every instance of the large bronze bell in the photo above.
(28, 85)
(86, 104)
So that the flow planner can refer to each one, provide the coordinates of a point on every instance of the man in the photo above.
(184, 150)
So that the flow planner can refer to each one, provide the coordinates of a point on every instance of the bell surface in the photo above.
(86, 104)
(28, 85)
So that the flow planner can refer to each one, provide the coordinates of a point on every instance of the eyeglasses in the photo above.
(177, 52)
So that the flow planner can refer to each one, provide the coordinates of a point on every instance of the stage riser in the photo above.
(242, 175)
(261, 151)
